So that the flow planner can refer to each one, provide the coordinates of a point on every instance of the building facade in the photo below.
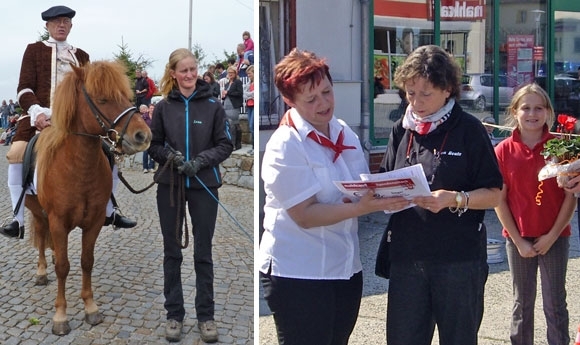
(503, 43)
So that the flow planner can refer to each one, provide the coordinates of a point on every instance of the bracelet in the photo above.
(466, 206)
(458, 207)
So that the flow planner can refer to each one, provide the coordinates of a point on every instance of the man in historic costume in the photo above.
(44, 65)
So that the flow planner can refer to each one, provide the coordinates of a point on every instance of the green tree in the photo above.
(201, 56)
(125, 56)
(43, 36)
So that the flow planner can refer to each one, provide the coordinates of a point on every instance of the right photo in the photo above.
(418, 181)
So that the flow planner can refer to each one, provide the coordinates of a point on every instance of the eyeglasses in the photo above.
(58, 21)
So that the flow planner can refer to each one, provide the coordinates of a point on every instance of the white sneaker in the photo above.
(151, 170)
(145, 171)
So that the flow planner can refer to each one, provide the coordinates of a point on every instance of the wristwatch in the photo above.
(458, 199)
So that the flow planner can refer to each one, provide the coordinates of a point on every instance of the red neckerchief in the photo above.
(337, 147)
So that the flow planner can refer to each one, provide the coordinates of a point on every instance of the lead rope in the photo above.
(180, 197)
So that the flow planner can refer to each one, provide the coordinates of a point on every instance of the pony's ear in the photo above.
(79, 71)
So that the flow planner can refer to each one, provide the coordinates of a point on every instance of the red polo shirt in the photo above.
(519, 166)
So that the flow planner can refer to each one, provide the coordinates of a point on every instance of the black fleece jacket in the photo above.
(196, 127)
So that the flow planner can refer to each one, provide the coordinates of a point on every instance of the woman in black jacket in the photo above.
(233, 98)
(189, 129)
(214, 86)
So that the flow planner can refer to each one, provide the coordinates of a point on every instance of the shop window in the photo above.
(521, 17)
(576, 44)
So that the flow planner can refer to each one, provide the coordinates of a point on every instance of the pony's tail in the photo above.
(40, 237)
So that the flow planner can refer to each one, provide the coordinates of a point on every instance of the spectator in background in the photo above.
(241, 63)
(214, 86)
(12, 107)
(148, 162)
(233, 98)
(220, 71)
(249, 98)
(151, 88)
(248, 42)
(489, 120)
(211, 69)
(12, 122)
(4, 114)
(141, 88)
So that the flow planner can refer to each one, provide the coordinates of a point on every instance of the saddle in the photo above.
(29, 165)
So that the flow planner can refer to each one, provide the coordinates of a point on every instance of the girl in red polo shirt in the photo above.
(535, 217)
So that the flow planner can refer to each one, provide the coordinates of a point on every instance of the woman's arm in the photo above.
(479, 199)
(506, 218)
(545, 242)
(310, 213)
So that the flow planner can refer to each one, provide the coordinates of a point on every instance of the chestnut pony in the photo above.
(91, 105)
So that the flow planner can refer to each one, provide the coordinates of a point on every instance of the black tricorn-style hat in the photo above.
(57, 11)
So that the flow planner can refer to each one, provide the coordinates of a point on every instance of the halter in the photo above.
(109, 127)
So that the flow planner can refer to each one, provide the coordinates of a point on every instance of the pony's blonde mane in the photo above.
(103, 80)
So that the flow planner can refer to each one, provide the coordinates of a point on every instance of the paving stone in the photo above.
(128, 276)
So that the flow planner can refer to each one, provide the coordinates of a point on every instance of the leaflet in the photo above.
(407, 182)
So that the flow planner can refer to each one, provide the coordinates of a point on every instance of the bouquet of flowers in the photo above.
(562, 153)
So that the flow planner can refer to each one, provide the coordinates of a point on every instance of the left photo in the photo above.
(128, 209)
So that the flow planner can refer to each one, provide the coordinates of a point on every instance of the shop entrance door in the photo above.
(565, 57)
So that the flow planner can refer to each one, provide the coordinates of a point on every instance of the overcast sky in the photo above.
(149, 28)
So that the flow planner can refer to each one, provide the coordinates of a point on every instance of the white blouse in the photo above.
(294, 168)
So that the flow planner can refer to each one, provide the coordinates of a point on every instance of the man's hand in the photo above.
(42, 121)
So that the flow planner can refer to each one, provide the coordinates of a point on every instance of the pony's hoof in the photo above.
(93, 318)
(41, 280)
(60, 328)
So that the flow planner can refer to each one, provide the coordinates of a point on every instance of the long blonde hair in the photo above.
(517, 98)
(167, 82)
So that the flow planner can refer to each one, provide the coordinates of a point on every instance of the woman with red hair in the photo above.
(309, 258)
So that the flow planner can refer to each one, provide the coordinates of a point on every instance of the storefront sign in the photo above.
(460, 10)
(451, 10)
(538, 53)
(519, 58)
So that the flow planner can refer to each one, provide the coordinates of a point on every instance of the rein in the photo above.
(109, 127)
(180, 197)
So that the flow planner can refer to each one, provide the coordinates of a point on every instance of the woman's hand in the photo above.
(437, 201)
(543, 243)
(371, 202)
(526, 249)
(573, 185)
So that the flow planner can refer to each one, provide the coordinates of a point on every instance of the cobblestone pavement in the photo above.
(494, 330)
(128, 277)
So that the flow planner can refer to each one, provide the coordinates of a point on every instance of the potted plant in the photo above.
(562, 153)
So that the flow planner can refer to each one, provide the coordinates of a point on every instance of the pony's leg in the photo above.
(40, 233)
(62, 267)
(92, 314)
(40, 238)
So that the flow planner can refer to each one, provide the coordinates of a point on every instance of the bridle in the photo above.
(108, 126)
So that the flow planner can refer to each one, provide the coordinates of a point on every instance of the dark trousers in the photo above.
(313, 312)
(148, 162)
(553, 267)
(203, 212)
(425, 294)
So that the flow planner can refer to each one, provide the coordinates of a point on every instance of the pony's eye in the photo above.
(102, 101)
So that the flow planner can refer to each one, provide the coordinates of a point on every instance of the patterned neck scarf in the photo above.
(427, 124)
